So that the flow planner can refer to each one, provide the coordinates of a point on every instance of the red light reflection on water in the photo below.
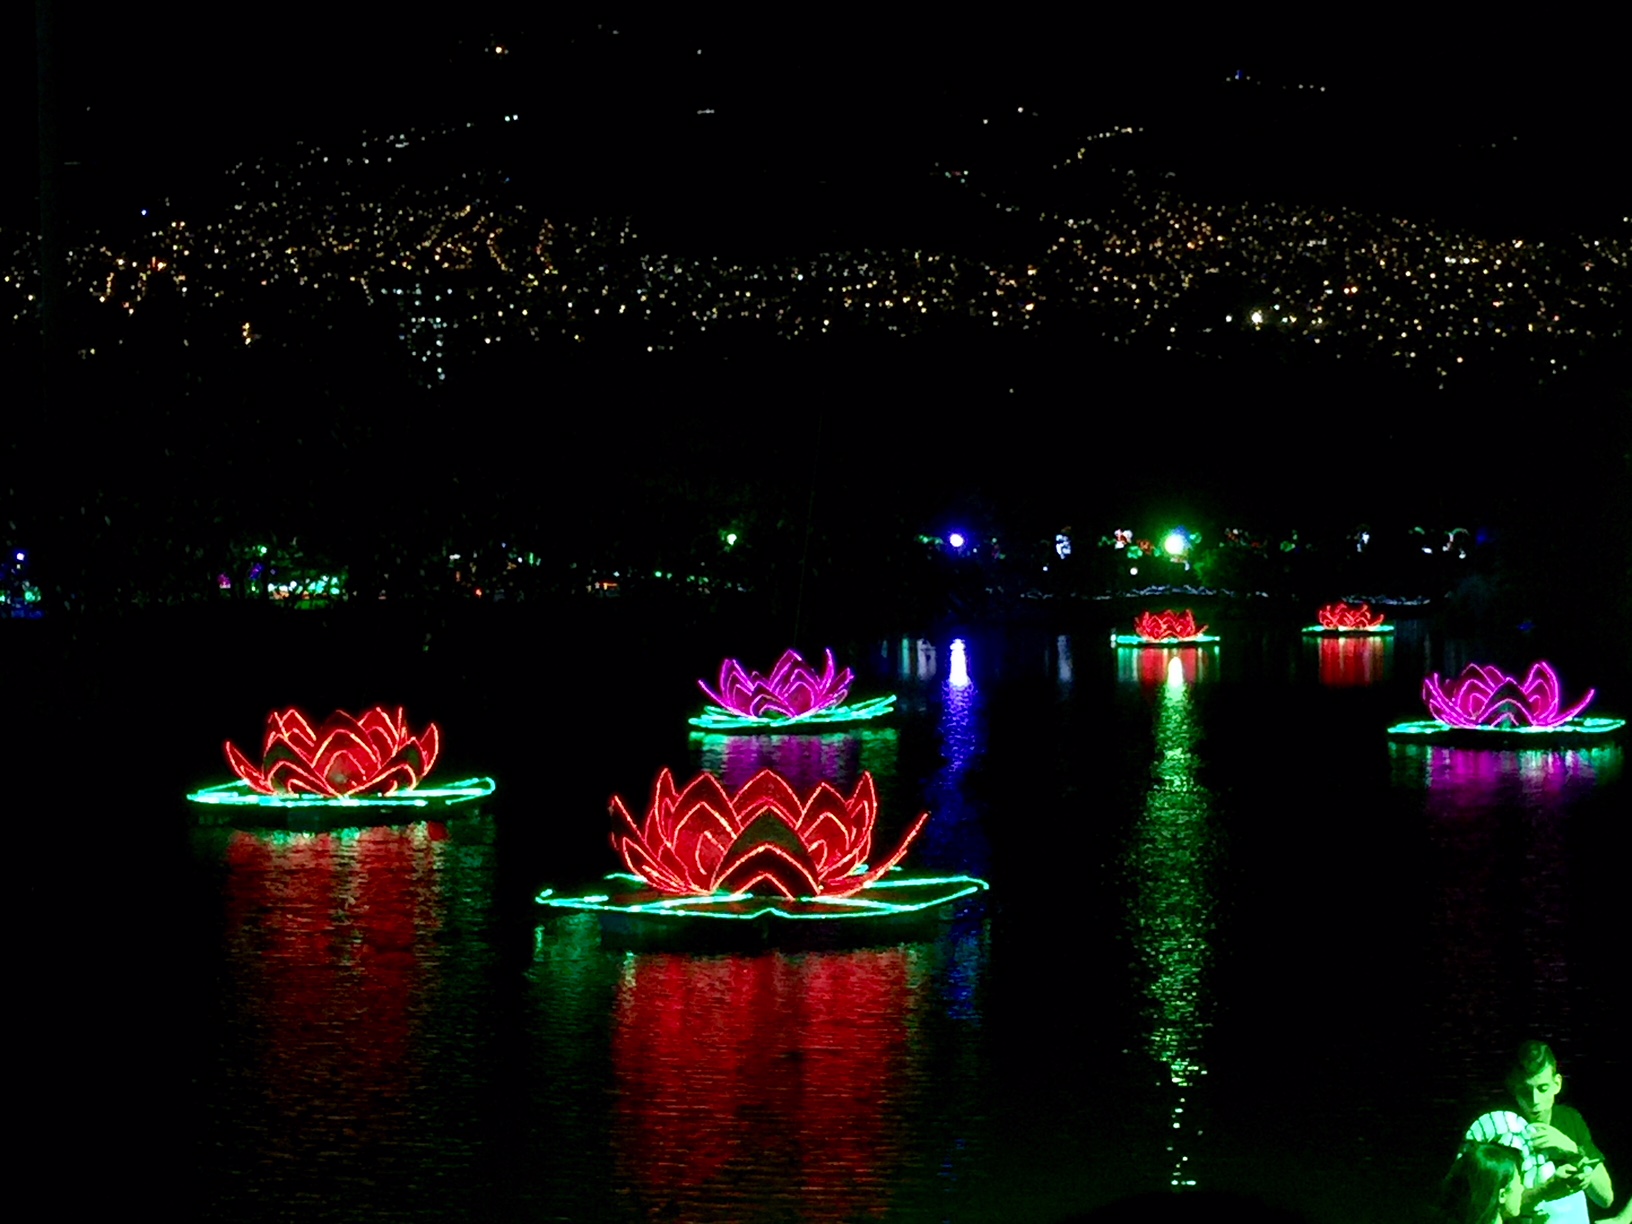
(1152, 666)
(324, 934)
(1354, 660)
(763, 1076)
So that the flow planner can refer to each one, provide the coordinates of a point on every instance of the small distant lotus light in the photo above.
(1346, 618)
(1485, 699)
(369, 759)
(1167, 628)
(793, 693)
(765, 849)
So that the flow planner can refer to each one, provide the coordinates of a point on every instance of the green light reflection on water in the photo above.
(1169, 862)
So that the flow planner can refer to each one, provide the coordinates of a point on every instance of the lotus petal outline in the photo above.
(1486, 696)
(764, 839)
(792, 690)
(1169, 625)
(1341, 616)
(344, 757)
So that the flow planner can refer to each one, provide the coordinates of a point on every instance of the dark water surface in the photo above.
(1234, 941)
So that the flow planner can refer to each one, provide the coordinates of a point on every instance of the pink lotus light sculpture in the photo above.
(792, 690)
(1342, 617)
(794, 693)
(1485, 696)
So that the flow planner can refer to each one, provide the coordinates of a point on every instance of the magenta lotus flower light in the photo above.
(1485, 699)
(792, 690)
(1485, 696)
(1167, 628)
(793, 693)
(372, 758)
(763, 850)
(1346, 618)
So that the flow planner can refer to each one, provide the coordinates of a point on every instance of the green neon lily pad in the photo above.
(1513, 737)
(717, 718)
(897, 893)
(238, 794)
(1134, 640)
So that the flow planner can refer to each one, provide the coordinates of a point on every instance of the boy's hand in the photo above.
(1549, 1138)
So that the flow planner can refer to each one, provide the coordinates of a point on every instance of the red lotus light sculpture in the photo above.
(1167, 626)
(1485, 696)
(343, 758)
(792, 690)
(1340, 616)
(764, 840)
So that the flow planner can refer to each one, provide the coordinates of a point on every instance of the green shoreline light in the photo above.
(238, 794)
(1322, 631)
(1134, 640)
(915, 893)
(1432, 728)
(717, 718)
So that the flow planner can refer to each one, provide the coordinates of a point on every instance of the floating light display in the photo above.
(1343, 618)
(366, 761)
(794, 694)
(1167, 628)
(761, 852)
(1485, 700)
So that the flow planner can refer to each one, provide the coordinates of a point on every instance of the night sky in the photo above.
(788, 134)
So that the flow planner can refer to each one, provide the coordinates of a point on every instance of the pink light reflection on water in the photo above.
(1355, 660)
(838, 758)
(757, 1078)
(1466, 781)
(1500, 923)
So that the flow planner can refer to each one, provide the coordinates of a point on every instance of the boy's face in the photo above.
(1534, 1096)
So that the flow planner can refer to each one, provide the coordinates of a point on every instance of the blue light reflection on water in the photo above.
(955, 838)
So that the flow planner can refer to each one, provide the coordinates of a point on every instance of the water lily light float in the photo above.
(1168, 628)
(793, 696)
(764, 852)
(1346, 618)
(1485, 701)
(346, 761)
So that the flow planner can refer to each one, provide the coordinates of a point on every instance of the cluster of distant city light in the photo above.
(463, 264)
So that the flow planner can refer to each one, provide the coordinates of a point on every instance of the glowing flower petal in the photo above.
(1167, 626)
(792, 690)
(1343, 617)
(1485, 696)
(764, 839)
(345, 757)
